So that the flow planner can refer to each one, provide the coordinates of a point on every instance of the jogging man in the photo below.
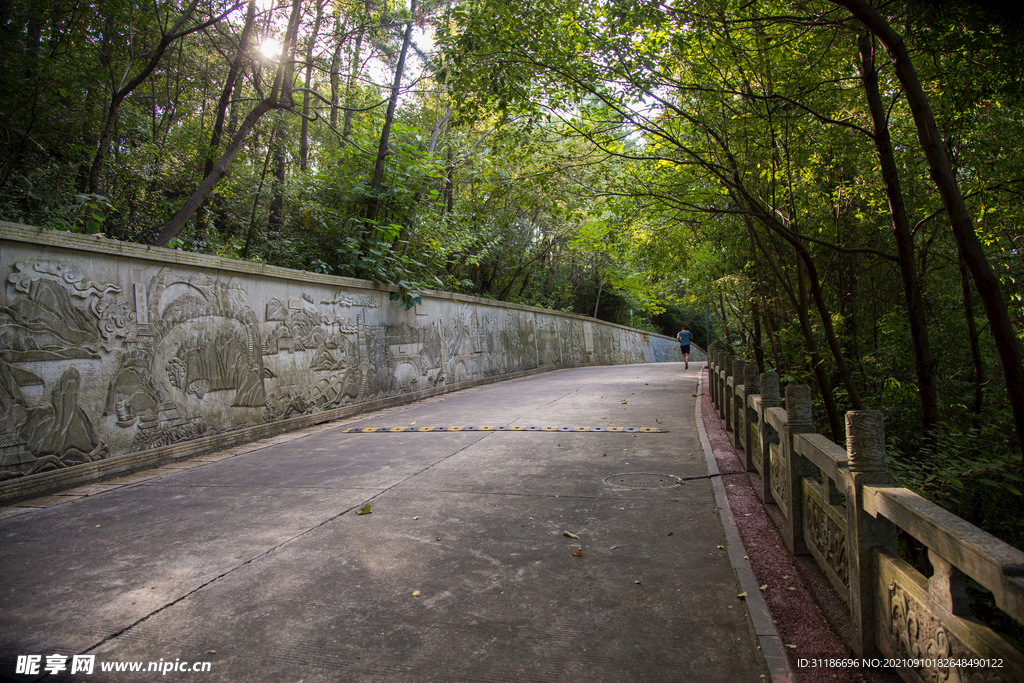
(684, 338)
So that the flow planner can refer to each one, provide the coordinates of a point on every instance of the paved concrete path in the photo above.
(461, 572)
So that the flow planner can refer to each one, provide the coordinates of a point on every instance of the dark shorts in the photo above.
(685, 348)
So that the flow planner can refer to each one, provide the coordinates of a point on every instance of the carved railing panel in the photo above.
(778, 474)
(911, 627)
(825, 535)
(754, 444)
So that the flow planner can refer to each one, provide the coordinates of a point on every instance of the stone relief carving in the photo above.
(90, 367)
(27, 272)
(778, 475)
(826, 535)
(45, 324)
(56, 434)
(912, 631)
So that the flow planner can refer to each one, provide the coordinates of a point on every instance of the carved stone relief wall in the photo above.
(105, 348)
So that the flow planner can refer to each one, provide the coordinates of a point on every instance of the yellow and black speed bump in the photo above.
(503, 428)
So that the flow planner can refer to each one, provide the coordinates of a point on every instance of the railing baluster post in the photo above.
(767, 435)
(713, 372)
(737, 401)
(751, 387)
(865, 450)
(795, 467)
(946, 586)
(723, 409)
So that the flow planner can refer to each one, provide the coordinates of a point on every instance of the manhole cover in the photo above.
(641, 480)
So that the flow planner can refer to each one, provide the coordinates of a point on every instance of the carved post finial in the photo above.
(865, 441)
(750, 378)
(738, 370)
(798, 405)
(770, 389)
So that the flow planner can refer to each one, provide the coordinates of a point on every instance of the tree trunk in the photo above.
(220, 169)
(229, 85)
(357, 53)
(924, 363)
(941, 169)
(449, 183)
(389, 117)
(119, 94)
(972, 336)
(798, 301)
(304, 135)
(278, 141)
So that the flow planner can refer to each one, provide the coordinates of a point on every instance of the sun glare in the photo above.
(271, 48)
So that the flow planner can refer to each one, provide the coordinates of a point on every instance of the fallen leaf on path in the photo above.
(624, 401)
(761, 588)
(570, 535)
(415, 594)
(578, 552)
(742, 595)
(211, 652)
(415, 518)
(792, 646)
(365, 510)
(637, 583)
(412, 423)
(720, 546)
(613, 547)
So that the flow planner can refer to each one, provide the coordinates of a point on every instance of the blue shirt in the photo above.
(684, 337)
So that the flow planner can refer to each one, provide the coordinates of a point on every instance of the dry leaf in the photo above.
(578, 552)
(415, 594)
(211, 652)
(624, 401)
(637, 583)
(415, 518)
(742, 595)
(761, 588)
(613, 547)
(365, 510)
(720, 546)
(570, 535)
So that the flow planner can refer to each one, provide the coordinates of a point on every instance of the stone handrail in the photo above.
(842, 507)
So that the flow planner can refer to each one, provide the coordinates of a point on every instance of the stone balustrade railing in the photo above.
(842, 507)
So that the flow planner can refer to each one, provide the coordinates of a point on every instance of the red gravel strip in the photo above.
(796, 593)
